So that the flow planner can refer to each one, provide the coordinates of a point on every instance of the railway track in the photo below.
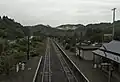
(57, 67)
(67, 70)
(46, 74)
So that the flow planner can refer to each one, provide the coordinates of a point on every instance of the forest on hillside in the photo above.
(16, 45)
(12, 30)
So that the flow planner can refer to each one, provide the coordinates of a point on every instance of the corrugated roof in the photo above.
(108, 55)
(89, 47)
(99, 52)
(113, 46)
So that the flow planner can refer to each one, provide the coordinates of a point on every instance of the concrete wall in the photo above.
(87, 55)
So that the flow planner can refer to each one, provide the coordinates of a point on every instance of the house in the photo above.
(85, 52)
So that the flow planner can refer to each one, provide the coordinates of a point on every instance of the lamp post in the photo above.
(113, 31)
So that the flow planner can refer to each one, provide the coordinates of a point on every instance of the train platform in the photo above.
(86, 67)
(22, 76)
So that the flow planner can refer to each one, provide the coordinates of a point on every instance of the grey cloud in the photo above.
(56, 12)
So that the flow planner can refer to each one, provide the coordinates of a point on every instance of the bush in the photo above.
(37, 48)
(72, 49)
(6, 63)
(19, 56)
(67, 46)
(33, 54)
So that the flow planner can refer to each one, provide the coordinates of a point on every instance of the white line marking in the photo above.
(34, 78)
(47, 63)
(45, 60)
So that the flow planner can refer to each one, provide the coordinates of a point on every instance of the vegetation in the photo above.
(95, 32)
(9, 29)
(37, 46)
(14, 44)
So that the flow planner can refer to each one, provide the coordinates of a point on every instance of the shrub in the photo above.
(67, 46)
(72, 49)
(6, 63)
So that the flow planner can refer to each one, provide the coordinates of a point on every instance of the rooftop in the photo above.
(113, 46)
(110, 50)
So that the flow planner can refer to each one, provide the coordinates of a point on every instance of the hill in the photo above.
(10, 29)
(62, 30)
(95, 31)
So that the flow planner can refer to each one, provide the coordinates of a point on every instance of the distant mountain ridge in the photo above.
(12, 29)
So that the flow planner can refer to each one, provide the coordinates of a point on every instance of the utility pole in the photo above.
(28, 49)
(113, 31)
(28, 41)
(111, 69)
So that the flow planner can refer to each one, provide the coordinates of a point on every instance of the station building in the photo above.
(108, 54)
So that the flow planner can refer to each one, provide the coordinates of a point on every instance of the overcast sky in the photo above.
(56, 12)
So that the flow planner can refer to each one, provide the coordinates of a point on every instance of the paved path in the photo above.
(94, 75)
